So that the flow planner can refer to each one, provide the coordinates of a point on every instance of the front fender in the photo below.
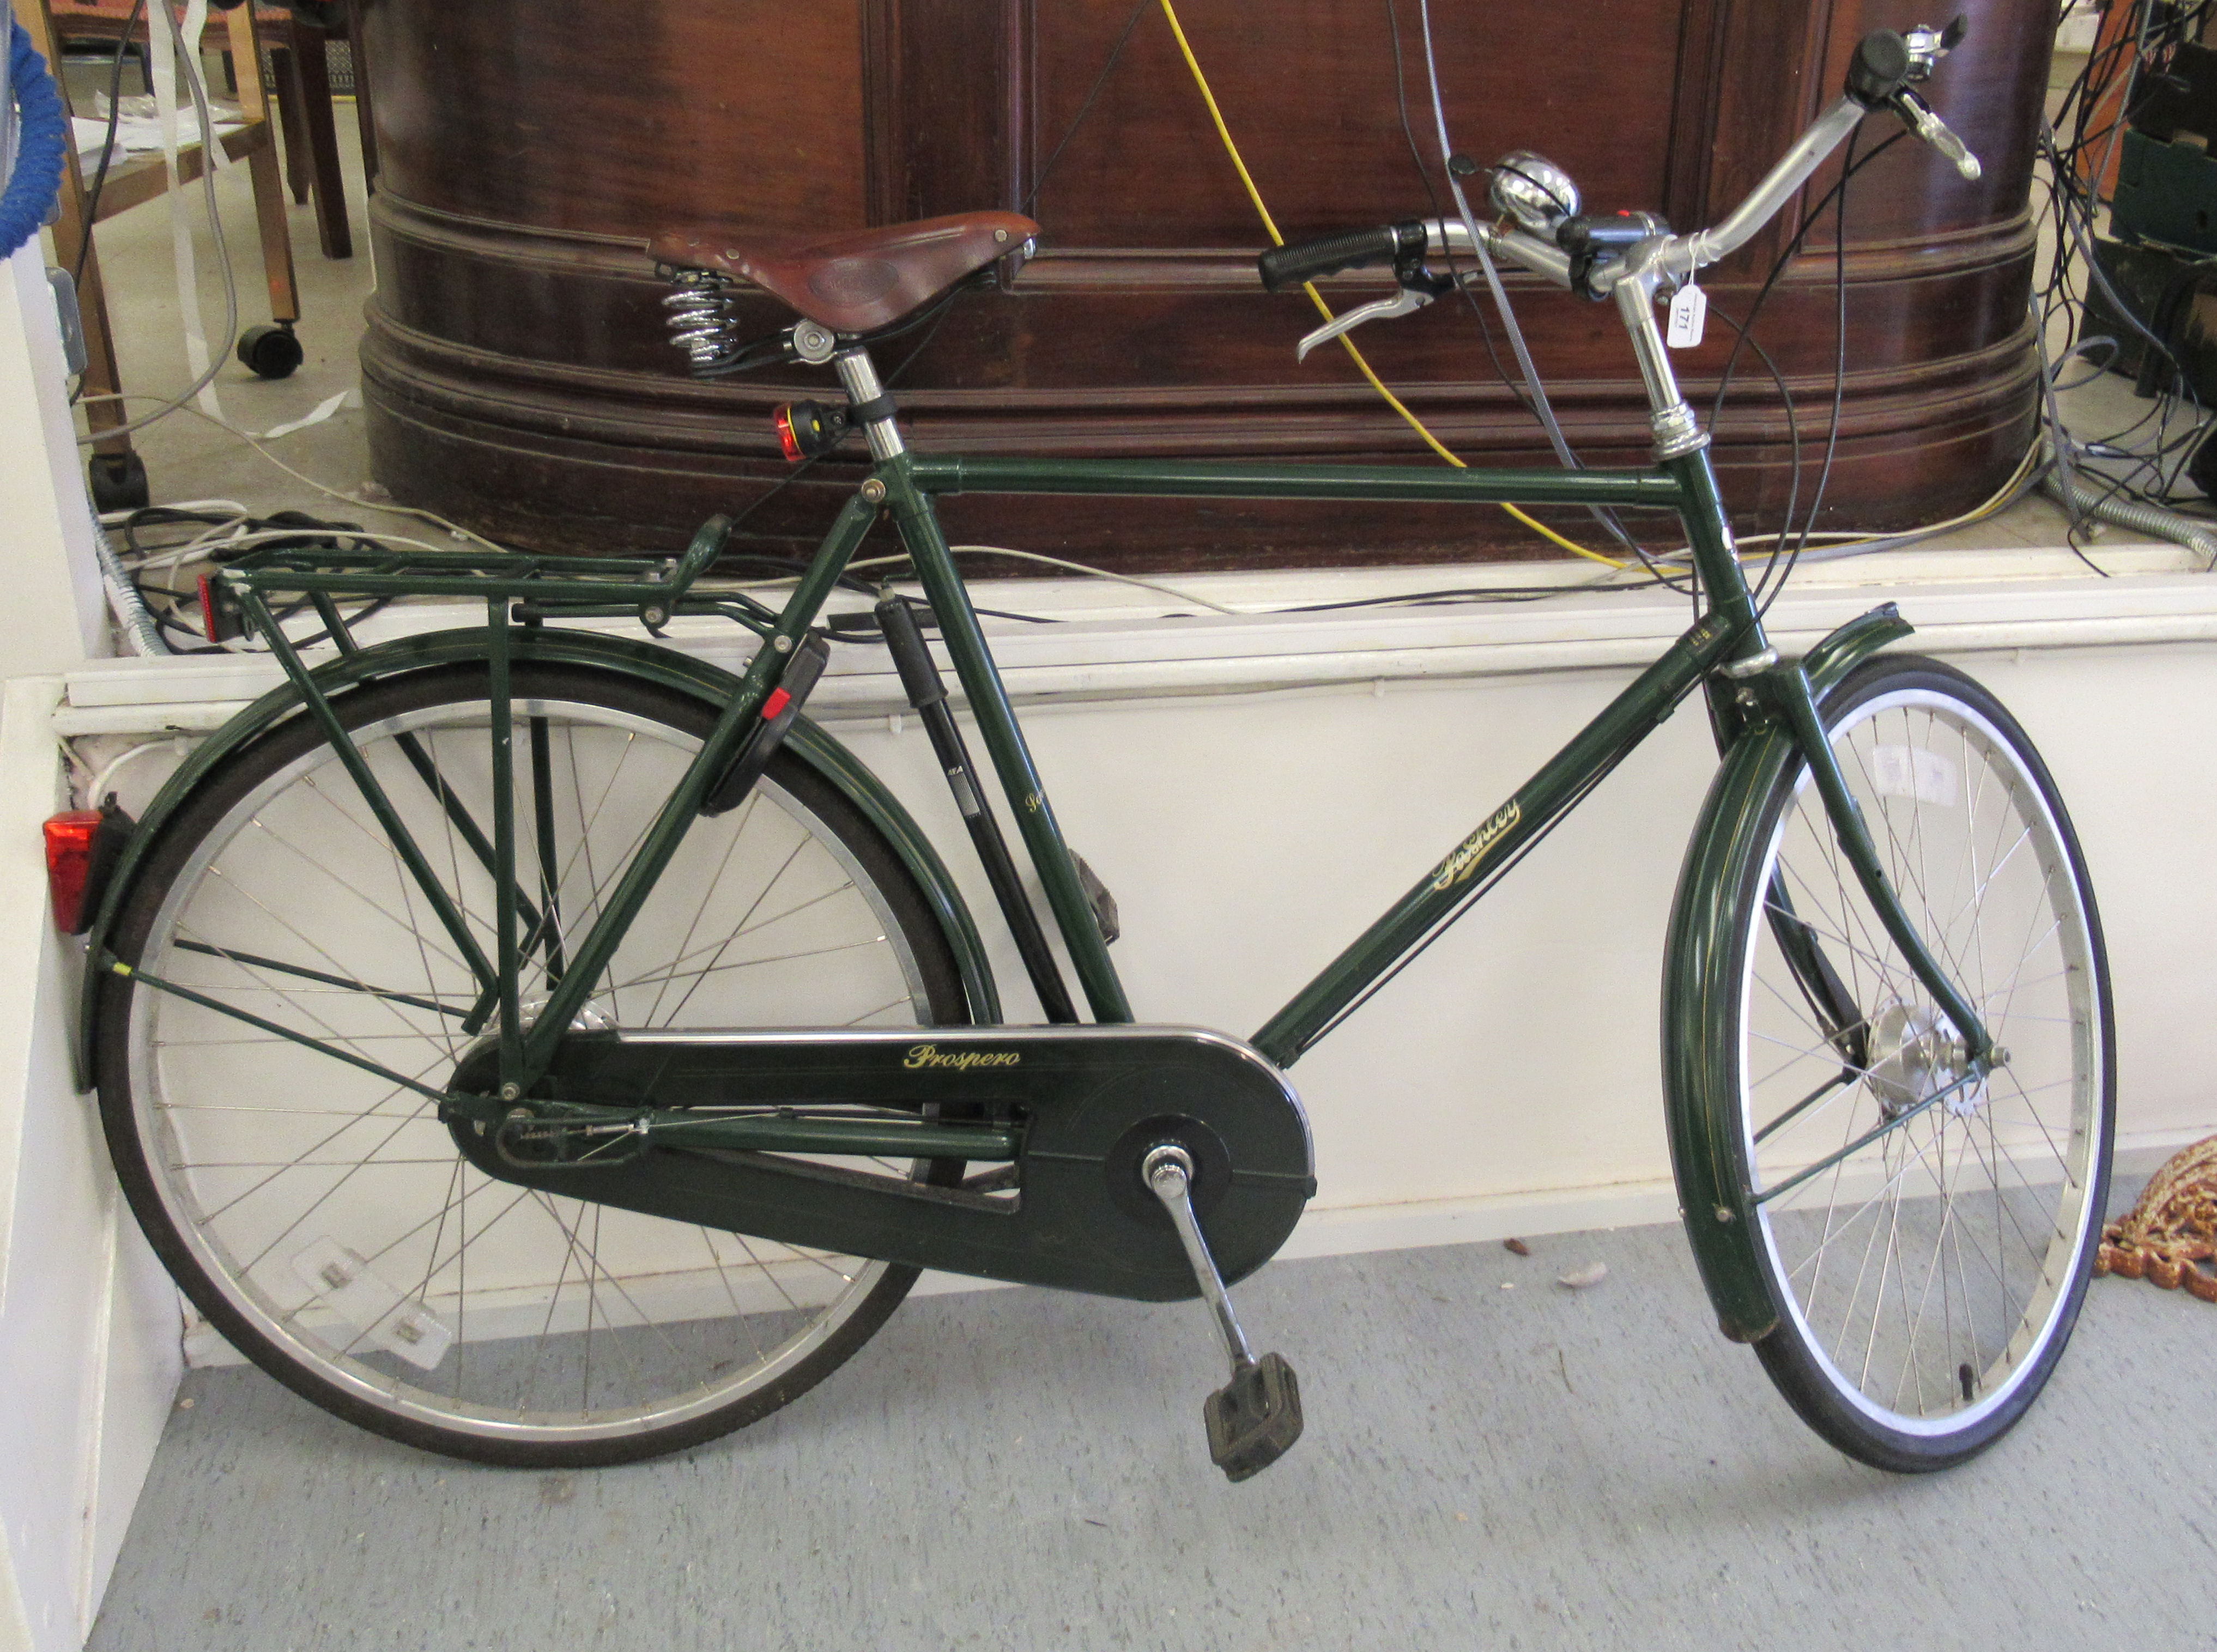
(1700, 973)
(663, 667)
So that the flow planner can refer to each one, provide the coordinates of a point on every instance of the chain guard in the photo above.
(1089, 1103)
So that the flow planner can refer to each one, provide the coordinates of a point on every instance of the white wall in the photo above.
(1508, 1082)
(88, 1327)
(1255, 791)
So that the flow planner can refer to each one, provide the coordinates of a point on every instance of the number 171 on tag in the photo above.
(1690, 312)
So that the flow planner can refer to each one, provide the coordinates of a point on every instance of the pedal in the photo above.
(1254, 1418)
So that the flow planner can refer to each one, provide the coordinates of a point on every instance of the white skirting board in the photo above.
(90, 1356)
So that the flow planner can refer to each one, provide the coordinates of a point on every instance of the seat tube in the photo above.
(996, 724)
(872, 407)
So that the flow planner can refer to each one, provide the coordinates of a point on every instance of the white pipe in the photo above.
(132, 618)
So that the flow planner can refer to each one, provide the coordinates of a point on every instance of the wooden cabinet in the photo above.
(518, 378)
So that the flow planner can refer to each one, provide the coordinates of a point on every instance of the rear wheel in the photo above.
(1926, 1239)
(320, 1216)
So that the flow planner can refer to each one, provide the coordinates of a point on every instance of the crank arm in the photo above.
(1405, 302)
(1256, 1417)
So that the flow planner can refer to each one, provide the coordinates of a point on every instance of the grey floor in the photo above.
(1483, 1467)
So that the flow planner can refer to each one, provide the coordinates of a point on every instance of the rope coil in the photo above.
(42, 144)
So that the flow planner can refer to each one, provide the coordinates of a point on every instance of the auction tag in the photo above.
(1689, 311)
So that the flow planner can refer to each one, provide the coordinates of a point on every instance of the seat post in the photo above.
(868, 402)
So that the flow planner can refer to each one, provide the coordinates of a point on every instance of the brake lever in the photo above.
(1917, 115)
(1405, 302)
(1419, 287)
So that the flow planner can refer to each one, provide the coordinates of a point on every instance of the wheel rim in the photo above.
(329, 1209)
(1926, 1274)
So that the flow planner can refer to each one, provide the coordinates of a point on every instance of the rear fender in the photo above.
(710, 684)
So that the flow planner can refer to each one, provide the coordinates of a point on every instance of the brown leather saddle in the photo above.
(860, 281)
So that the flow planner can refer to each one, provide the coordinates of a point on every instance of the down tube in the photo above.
(1623, 723)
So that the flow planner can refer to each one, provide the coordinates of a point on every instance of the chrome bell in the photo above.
(1534, 191)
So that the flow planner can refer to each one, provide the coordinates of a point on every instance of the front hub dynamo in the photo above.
(1915, 1054)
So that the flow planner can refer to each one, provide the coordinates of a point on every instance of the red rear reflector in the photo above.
(69, 863)
(778, 700)
(207, 609)
(786, 438)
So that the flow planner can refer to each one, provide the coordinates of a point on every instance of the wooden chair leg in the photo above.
(312, 67)
(276, 242)
(285, 89)
(262, 171)
(75, 249)
(360, 53)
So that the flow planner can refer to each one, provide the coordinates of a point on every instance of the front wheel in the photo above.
(1925, 1235)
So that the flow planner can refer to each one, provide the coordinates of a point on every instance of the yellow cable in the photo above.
(1317, 298)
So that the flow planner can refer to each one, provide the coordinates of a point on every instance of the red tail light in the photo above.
(82, 848)
(69, 865)
(809, 429)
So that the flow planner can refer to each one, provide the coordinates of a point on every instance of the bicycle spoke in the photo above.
(528, 1315)
(1926, 1221)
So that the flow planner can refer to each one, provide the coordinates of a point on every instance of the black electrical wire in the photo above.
(2145, 459)
(313, 533)
(1432, 198)
(1085, 108)
(1839, 396)
(1608, 518)
(106, 149)
(1746, 335)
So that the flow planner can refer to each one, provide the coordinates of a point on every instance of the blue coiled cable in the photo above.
(42, 144)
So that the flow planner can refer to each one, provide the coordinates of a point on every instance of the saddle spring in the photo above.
(700, 317)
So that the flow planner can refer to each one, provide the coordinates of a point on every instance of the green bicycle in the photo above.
(537, 1046)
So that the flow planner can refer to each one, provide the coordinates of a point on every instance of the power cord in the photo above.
(1361, 363)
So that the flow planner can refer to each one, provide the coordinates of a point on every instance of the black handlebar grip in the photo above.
(1303, 261)
(1881, 68)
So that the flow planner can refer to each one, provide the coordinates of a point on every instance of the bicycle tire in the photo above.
(1980, 1209)
(272, 890)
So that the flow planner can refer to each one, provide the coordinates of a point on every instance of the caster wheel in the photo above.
(271, 350)
(118, 481)
(2202, 468)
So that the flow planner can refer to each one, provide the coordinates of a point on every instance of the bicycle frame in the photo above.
(1725, 643)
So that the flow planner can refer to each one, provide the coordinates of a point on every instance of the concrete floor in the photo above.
(1526, 1468)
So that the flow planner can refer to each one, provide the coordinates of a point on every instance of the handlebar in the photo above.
(1880, 76)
